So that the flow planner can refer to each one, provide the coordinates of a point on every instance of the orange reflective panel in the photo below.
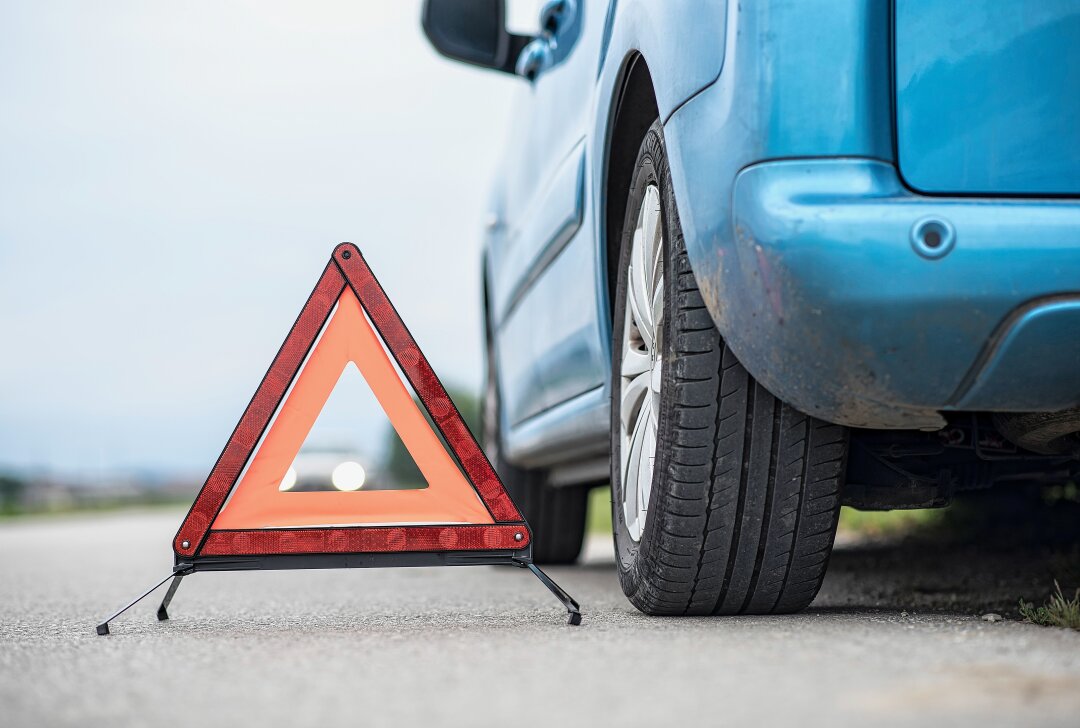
(257, 502)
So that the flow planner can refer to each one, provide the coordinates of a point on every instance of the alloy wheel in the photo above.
(642, 361)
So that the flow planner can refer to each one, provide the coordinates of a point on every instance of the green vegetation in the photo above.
(1057, 612)
(860, 523)
(11, 495)
(1066, 492)
(98, 505)
(887, 523)
(38, 495)
(399, 463)
(599, 511)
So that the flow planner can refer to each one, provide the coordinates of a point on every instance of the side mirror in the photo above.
(473, 31)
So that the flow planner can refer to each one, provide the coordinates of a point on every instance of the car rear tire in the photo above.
(736, 509)
(555, 514)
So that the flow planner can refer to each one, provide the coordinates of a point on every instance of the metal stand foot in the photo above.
(103, 628)
(572, 608)
(163, 610)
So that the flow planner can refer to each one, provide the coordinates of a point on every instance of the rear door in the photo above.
(988, 96)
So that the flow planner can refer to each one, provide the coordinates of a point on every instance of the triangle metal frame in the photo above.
(199, 547)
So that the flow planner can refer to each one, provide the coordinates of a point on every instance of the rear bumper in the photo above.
(844, 307)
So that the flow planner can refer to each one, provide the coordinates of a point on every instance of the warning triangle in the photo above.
(242, 510)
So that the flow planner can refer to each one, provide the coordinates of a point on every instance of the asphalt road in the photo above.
(885, 644)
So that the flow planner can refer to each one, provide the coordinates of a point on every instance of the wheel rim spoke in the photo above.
(631, 447)
(656, 308)
(641, 370)
(634, 398)
(635, 361)
(638, 294)
(645, 469)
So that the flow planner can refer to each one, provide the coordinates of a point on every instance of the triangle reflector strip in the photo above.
(241, 509)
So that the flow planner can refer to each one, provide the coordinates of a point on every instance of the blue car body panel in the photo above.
(782, 120)
(1030, 349)
(684, 40)
(845, 317)
(988, 96)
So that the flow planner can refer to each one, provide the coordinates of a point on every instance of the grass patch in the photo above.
(598, 515)
(1005, 518)
(1057, 612)
(887, 523)
(862, 523)
(107, 505)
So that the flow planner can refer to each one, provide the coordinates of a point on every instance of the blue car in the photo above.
(751, 261)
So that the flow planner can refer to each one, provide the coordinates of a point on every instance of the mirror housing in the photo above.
(474, 32)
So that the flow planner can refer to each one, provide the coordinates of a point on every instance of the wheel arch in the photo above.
(633, 110)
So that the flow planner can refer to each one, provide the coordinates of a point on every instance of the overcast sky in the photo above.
(173, 176)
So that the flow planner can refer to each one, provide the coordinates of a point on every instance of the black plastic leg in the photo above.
(103, 628)
(163, 610)
(572, 607)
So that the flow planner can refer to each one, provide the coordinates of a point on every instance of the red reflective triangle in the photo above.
(239, 510)
(257, 501)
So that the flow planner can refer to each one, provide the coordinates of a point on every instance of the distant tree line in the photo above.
(400, 466)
